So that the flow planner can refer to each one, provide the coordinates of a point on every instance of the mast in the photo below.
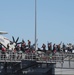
(35, 24)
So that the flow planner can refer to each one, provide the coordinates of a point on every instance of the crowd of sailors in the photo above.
(27, 47)
(59, 47)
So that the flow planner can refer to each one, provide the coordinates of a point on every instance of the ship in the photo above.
(28, 64)
(37, 63)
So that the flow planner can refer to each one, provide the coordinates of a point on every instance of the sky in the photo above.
(55, 20)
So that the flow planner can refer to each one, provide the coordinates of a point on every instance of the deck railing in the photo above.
(37, 57)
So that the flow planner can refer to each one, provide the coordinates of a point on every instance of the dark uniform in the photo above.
(44, 47)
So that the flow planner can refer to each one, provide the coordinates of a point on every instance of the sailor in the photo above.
(29, 44)
(49, 46)
(23, 46)
(44, 47)
(54, 48)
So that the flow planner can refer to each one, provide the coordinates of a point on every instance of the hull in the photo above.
(26, 67)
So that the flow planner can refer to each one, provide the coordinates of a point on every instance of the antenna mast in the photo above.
(35, 24)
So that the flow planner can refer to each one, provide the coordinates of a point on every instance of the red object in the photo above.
(3, 49)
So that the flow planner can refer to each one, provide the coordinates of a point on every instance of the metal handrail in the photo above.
(31, 56)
